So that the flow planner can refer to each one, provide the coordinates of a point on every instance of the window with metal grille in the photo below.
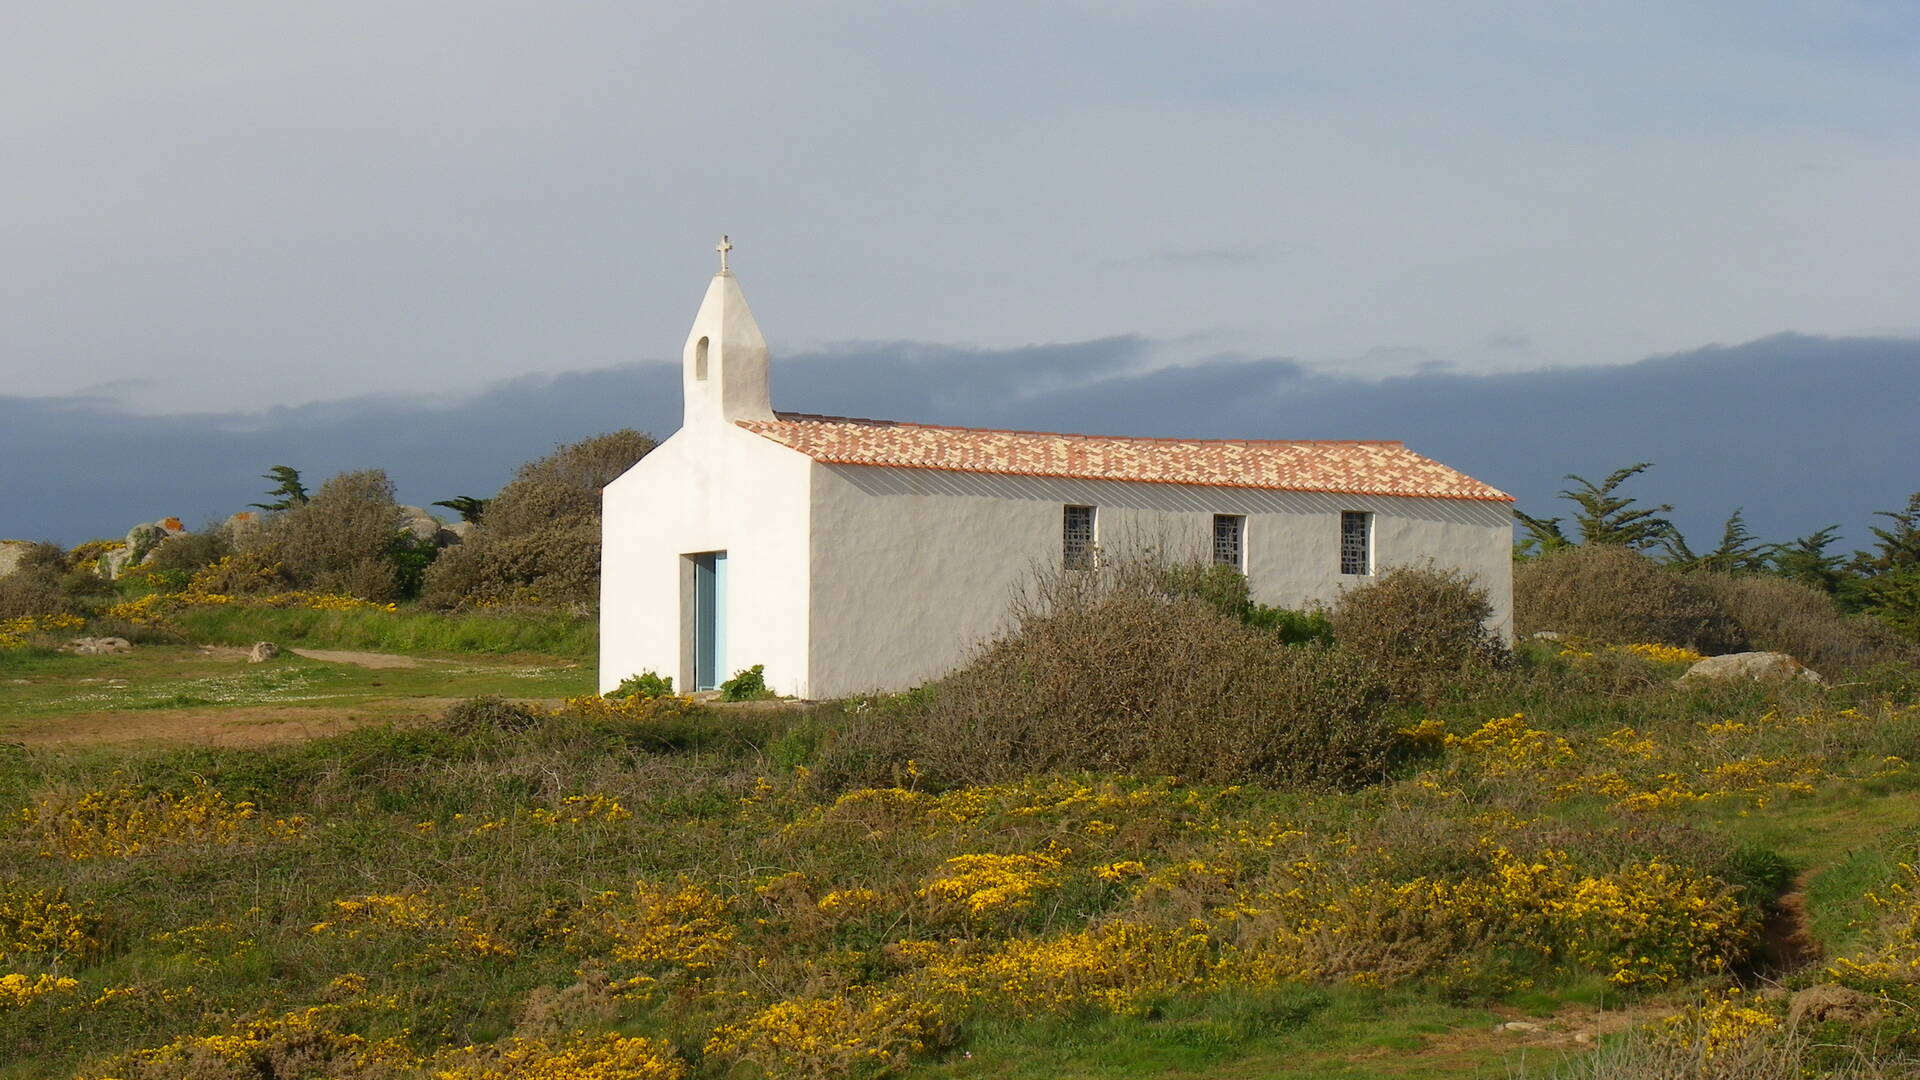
(1229, 532)
(1076, 538)
(1356, 542)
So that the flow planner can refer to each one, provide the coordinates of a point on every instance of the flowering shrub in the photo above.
(15, 632)
(127, 822)
(829, 1036)
(304, 1042)
(1112, 967)
(17, 990)
(1719, 1022)
(419, 917)
(154, 608)
(633, 709)
(1663, 654)
(985, 884)
(1506, 745)
(664, 933)
(606, 1057)
(41, 921)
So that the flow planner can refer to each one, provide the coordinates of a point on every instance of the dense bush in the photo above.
(34, 587)
(1105, 670)
(1226, 589)
(559, 565)
(1421, 630)
(563, 485)
(1786, 616)
(1607, 594)
(747, 685)
(539, 540)
(348, 538)
(647, 685)
(191, 551)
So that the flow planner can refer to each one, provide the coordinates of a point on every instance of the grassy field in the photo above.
(208, 691)
(313, 868)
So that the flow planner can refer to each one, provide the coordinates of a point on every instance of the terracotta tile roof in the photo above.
(1350, 468)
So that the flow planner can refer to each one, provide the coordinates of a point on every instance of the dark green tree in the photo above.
(1603, 516)
(1739, 551)
(1544, 535)
(1807, 561)
(1891, 572)
(469, 508)
(288, 487)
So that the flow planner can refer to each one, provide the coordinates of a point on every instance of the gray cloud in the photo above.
(1801, 431)
(245, 205)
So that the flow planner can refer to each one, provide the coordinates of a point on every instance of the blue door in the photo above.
(709, 619)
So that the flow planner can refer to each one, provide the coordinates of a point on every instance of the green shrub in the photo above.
(560, 566)
(34, 586)
(748, 685)
(1226, 591)
(1220, 586)
(1292, 627)
(563, 486)
(350, 537)
(190, 552)
(1607, 594)
(1785, 616)
(1422, 630)
(539, 540)
(647, 684)
(1107, 671)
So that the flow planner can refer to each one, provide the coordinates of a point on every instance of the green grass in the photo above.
(38, 689)
(1292, 1032)
(406, 631)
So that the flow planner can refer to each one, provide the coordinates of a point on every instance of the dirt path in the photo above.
(1786, 939)
(360, 659)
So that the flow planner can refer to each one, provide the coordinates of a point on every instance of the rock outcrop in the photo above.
(1759, 666)
(422, 525)
(99, 646)
(142, 542)
(11, 552)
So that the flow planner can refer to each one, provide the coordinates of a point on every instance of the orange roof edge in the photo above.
(1325, 466)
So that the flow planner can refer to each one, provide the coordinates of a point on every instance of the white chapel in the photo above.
(850, 555)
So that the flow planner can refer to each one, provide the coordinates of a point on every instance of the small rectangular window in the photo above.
(1076, 538)
(1356, 542)
(1229, 536)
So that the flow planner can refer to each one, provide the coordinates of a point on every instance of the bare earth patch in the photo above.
(248, 725)
(359, 659)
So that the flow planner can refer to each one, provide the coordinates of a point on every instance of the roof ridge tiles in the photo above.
(797, 417)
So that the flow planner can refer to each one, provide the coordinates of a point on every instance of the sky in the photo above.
(221, 207)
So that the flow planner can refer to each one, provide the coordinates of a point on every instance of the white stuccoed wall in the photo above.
(912, 568)
(711, 487)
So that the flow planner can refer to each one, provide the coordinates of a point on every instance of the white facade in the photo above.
(843, 578)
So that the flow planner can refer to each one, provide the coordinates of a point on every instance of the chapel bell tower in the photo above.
(724, 365)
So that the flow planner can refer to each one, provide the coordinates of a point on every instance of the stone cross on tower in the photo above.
(723, 247)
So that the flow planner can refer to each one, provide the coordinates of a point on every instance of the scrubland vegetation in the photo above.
(1194, 845)
(1155, 828)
